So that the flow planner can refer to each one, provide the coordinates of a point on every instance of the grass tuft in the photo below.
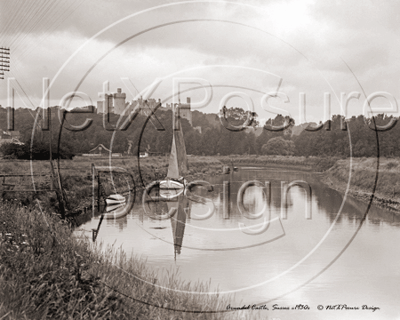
(47, 273)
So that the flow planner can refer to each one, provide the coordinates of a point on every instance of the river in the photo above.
(314, 248)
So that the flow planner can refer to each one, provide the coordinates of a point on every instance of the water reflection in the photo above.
(280, 260)
(178, 221)
(236, 209)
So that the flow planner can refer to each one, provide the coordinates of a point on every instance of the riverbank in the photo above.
(76, 176)
(335, 172)
(367, 179)
(47, 273)
(315, 164)
(77, 180)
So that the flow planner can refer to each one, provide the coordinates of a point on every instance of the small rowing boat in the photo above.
(115, 199)
(119, 210)
(114, 207)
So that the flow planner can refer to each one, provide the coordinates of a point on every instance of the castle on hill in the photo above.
(116, 103)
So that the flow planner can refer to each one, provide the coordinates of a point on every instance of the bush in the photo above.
(278, 146)
(39, 151)
(391, 165)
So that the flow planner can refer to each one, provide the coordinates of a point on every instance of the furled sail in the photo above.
(177, 160)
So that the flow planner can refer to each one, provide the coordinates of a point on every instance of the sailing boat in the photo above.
(170, 189)
(174, 184)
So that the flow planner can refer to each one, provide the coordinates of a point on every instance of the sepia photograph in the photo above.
(199, 159)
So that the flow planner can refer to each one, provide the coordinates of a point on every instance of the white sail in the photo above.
(178, 159)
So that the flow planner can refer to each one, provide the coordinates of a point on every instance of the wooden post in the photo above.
(98, 191)
(226, 202)
(93, 179)
(40, 177)
(284, 199)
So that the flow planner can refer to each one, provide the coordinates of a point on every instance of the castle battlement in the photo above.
(116, 103)
(184, 109)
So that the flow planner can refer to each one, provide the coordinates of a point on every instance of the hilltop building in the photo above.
(184, 110)
(119, 101)
(145, 105)
(116, 103)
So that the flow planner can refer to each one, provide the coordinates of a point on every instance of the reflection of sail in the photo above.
(177, 160)
(178, 221)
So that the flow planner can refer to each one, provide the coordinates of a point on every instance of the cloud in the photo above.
(304, 42)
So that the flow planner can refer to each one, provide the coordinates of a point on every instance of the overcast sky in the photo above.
(248, 47)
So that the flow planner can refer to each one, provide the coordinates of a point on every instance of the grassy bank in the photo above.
(363, 180)
(46, 273)
(336, 174)
(317, 164)
(77, 181)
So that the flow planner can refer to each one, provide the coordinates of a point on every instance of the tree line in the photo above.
(279, 136)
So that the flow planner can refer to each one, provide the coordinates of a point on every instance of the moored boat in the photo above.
(114, 207)
(171, 188)
(115, 199)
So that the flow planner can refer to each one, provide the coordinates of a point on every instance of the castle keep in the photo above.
(116, 103)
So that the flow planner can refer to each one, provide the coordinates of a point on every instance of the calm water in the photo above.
(305, 250)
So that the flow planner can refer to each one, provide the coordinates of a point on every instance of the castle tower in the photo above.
(113, 103)
(184, 110)
(108, 103)
(119, 101)
(100, 108)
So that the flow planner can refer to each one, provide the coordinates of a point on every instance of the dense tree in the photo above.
(359, 139)
(278, 146)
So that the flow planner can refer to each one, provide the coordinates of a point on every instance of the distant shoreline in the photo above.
(272, 166)
(387, 191)
(335, 174)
